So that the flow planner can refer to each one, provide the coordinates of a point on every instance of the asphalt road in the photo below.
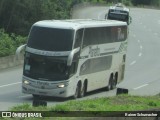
(142, 75)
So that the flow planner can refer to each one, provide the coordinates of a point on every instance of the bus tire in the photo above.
(77, 92)
(114, 82)
(109, 84)
(84, 89)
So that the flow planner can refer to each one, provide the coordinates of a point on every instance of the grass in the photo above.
(97, 105)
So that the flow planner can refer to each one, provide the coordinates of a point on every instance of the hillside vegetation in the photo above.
(17, 16)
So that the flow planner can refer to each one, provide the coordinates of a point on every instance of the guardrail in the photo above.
(10, 61)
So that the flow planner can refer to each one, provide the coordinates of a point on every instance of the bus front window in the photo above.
(50, 39)
(47, 68)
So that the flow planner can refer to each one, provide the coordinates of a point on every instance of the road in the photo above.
(142, 71)
(142, 75)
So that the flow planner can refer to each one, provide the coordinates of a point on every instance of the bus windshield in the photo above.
(50, 39)
(45, 68)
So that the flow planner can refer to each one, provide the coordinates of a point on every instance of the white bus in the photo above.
(119, 12)
(66, 58)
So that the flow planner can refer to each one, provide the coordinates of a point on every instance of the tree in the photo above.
(23, 13)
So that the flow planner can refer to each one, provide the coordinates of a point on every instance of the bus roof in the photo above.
(120, 7)
(78, 23)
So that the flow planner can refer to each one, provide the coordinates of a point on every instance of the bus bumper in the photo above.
(59, 92)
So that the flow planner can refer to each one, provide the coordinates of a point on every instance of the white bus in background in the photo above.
(66, 58)
(119, 12)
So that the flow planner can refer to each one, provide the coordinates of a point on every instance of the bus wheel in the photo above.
(84, 89)
(109, 84)
(113, 83)
(77, 92)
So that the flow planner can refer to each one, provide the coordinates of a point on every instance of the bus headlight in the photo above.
(26, 82)
(61, 86)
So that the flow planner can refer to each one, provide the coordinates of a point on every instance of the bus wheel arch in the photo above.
(36, 96)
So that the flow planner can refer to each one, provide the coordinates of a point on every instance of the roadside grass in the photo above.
(116, 103)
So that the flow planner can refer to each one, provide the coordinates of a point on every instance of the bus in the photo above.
(68, 58)
(119, 12)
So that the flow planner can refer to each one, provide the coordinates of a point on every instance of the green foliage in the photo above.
(9, 43)
(127, 2)
(117, 103)
(6, 44)
(146, 2)
(23, 13)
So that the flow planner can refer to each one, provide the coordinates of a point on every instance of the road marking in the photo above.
(24, 96)
(141, 47)
(140, 54)
(133, 63)
(139, 41)
(140, 86)
(9, 84)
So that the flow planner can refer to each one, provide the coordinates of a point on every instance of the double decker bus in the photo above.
(119, 12)
(66, 58)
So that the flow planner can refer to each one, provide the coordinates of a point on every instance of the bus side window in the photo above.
(78, 38)
(114, 34)
(88, 34)
(73, 69)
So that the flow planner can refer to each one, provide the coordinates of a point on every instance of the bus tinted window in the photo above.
(119, 33)
(104, 35)
(95, 65)
(78, 38)
(94, 36)
(51, 39)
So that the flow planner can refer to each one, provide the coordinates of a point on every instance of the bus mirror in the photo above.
(19, 49)
(70, 57)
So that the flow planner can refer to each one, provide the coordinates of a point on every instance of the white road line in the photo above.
(140, 86)
(140, 54)
(9, 84)
(24, 96)
(141, 47)
(138, 41)
(133, 63)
